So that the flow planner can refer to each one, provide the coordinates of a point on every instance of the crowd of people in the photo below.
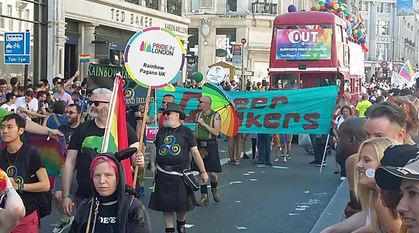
(375, 147)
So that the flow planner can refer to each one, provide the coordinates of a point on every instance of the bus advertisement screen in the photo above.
(303, 44)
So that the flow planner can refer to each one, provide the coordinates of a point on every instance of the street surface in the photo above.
(287, 197)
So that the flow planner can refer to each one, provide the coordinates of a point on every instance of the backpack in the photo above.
(44, 199)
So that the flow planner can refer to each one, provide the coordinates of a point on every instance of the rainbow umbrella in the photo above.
(224, 105)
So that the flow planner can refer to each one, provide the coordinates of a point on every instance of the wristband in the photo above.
(49, 132)
(202, 172)
(64, 197)
(20, 187)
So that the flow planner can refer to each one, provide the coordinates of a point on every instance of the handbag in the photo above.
(190, 180)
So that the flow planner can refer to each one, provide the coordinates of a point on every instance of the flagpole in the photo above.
(111, 110)
(141, 148)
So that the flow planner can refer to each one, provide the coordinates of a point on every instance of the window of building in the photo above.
(388, 8)
(206, 3)
(231, 5)
(174, 7)
(153, 4)
(383, 28)
(224, 39)
(9, 13)
(382, 50)
(380, 7)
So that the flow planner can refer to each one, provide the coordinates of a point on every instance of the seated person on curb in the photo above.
(374, 217)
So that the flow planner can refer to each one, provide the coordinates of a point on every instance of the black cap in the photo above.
(399, 162)
(174, 107)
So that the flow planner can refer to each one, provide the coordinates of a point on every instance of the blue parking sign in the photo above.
(17, 47)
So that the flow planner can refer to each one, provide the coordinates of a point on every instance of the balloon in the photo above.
(327, 4)
(313, 8)
(327, 0)
(359, 33)
(339, 10)
(336, 6)
(323, 7)
(345, 11)
(332, 3)
(362, 41)
(292, 8)
(198, 76)
(317, 7)
(321, 3)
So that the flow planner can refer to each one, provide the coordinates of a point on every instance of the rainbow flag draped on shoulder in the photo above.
(116, 138)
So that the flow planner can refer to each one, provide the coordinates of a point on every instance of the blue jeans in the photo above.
(264, 142)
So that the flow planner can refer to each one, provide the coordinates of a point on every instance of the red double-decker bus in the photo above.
(313, 49)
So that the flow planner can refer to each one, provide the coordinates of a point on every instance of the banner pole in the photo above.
(324, 153)
(142, 146)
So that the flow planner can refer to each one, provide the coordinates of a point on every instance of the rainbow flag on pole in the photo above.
(116, 136)
(407, 71)
(85, 58)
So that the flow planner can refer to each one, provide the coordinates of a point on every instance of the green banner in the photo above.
(302, 111)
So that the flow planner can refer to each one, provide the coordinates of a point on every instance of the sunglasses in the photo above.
(164, 102)
(97, 102)
(167, 113)
(202, 102)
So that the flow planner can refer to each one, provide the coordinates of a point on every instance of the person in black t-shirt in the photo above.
(170, 194)
(73, 113)
(85, 144)
(28, 181)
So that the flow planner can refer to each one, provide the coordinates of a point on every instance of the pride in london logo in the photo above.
(157, 48)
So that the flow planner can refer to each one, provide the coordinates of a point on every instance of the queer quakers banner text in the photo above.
(302, 111)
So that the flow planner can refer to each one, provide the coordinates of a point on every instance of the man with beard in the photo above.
(85, 144)
(351, 134)
(207, 129)
(73, 114)
(174, 142)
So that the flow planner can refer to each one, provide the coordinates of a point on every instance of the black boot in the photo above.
(180, 226)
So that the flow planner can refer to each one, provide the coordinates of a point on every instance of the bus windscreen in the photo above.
(303, 44)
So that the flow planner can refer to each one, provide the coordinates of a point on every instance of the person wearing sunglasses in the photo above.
(159, 117)
(85, 144)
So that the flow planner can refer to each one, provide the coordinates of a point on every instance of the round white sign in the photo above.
(216, 74)
(154, 57)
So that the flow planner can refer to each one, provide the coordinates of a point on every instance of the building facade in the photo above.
(391, 36)
(217, 25)
(103, 32)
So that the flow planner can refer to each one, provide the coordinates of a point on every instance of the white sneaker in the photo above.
(276, 159)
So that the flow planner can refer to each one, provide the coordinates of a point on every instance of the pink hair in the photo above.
(101, 159)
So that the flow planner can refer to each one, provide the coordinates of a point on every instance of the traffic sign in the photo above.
(384, 64)
(244, 40)
(17, 47)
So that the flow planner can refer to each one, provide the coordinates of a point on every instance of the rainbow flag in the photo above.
(53, 152)
(407, 71)
(85, 58)
(360, 19)
(116, 136)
